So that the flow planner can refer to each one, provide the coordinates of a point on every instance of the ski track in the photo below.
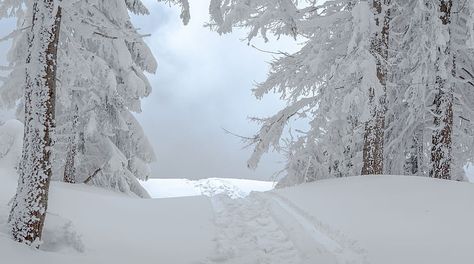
(266, 228)
(308, 228)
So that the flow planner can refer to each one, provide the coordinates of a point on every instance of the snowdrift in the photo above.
(90, 225)
(371, 219)
(394, 219)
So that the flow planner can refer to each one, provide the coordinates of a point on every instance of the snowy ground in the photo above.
(112, 228)
(235, 188)
(392, 219)
(378, 219)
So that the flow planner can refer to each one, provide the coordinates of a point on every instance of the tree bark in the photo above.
(441, 151)
(70, 167)
(415, 154)
(375, 126)
(29, 207)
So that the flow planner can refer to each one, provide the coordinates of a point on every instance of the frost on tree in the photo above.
(31, 200)
(364, 81)
(423, 74)
(99, 141)
(326, 83)
(102, 60)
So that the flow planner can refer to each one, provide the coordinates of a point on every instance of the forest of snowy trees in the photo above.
(384, 86)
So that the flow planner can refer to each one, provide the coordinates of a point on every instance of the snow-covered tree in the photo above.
(329, 82)
(422, 68)
(101, 63)
(99, 138)
(373, 80)
(35, 170)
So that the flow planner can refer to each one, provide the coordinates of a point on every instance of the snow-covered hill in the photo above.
(392, 219)
(372, 219)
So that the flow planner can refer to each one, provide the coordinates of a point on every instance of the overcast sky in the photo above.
(203, 84)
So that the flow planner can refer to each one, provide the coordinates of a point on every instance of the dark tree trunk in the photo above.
(441, 151)
(31, 201)
(375, 127)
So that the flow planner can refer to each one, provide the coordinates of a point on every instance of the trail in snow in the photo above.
(265, 228)
(247, 233)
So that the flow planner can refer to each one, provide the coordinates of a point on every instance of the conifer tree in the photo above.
(101, 81)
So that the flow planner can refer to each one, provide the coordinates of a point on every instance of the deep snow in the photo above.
(395, 219)
(372, 219)
(112, 228)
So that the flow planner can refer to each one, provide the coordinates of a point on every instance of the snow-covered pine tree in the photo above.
(100, 77)
(417, 29)
(374, 136)
(347, 49)
(101, 64)
(110, 147)
(463, 108)
(326, 83)
(411, 67)
(31, 200)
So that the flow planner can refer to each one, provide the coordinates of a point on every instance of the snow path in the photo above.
(247, 233)
(265, 228)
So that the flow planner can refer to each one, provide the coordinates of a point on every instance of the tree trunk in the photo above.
(70, 167)
(414, 162)
(31, 200)
(375, 126)
(441, 151)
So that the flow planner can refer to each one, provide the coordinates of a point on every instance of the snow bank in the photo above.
(90, 225)
(394, 219)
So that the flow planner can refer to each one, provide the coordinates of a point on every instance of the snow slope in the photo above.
(112, 228)
(370, 219)
(394, 219)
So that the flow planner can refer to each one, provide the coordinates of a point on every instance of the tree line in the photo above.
(385, 86)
